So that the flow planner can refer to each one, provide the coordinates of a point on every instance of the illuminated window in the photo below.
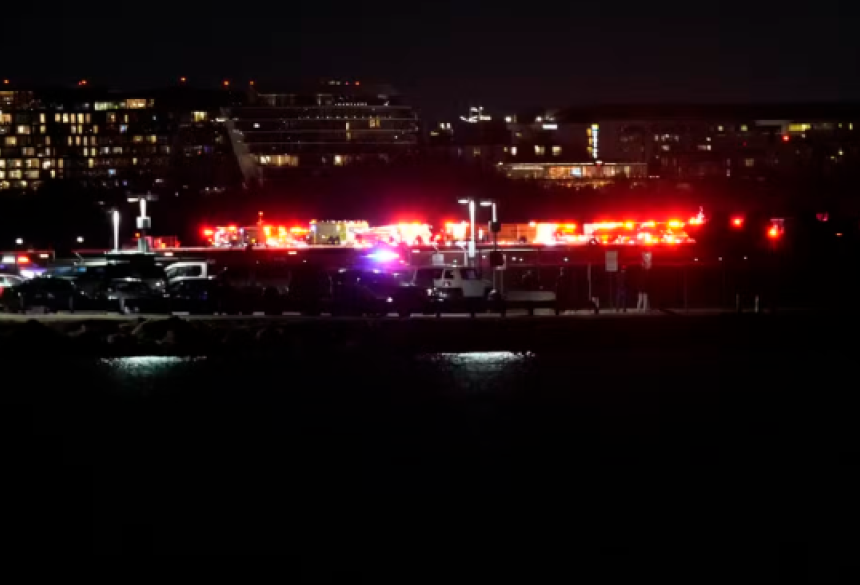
(95, 129)
(23, 129)
(117, 150)
(556, 151)
(60, 163)
(53, 173)
(43, 129)
(65, 118)
(46, 164)
(152, 138)
(2, 174)
(2, 163)
(137, 139)
(86, 151)
(135, 104)
(16, 174)
(540, 150)
(123, 129)
(16, 163)
(338, 160)
(125, 118)
(749, 162)
(34, 175)
(513, 151)
(111, 117)
(48, 140)
(199, 116)
(77, 140)
(91, 162)
(799, 127)
(42, 118)
(5, 118)
(744, 128)
(134, 161)
(69, 140)
(88, 118)
(28, 151)
(31, 163)
(375, 123)
(11, 141)
(58, 117)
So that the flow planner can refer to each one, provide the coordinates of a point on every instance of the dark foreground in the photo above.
(721, 449)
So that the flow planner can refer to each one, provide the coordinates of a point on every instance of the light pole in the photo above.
(471, 203)
(494, 227)
(144, 223)
(115, 216)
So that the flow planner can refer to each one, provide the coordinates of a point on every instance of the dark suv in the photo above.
(50, 294)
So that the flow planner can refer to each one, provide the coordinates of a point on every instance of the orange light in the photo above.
(532, 224)
(226, 83)
(738, 221)
(674, 223)
(5, 82)
(252, 82)
(182, 80)
(786, 137)
(628, 225)
(292, 253)
(208, 233)
(773, 232)
(137, 235)
(231, 228)
(358, 83)
(23, 260)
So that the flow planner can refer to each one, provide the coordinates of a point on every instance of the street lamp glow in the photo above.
(80, 240)
(116, 230)
(19, 241)
(486, 203)
(463, 201)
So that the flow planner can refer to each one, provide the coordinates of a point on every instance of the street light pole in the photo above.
(116, 230)
(472, 226)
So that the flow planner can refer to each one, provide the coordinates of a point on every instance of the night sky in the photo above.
(448, 54)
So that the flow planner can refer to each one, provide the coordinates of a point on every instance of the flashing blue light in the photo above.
(383, 256)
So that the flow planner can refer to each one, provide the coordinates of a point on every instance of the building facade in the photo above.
(281, 131)
(99, 139)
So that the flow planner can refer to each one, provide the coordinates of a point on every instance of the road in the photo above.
(541, 313)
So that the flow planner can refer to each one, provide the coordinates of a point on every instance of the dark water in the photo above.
(709, 463)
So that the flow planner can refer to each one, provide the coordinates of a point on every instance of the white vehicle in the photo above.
(448, 284)
(180, 271)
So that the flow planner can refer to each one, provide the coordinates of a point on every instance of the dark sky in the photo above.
(447, 54)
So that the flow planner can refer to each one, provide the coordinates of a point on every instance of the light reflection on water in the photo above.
(148, 363)
(483, 358)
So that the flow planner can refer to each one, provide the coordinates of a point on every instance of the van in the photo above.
(179, 271)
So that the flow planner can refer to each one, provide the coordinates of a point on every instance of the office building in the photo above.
(168, 141)
(279, 132)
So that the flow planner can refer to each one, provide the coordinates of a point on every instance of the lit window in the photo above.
(41, 118)
(556, 151)
(199, 116)
(117, 150)
(23, 129)
(58, 117)
(86, 151)
(43, 129)
(60, 163)
(95, 129)
(799, 127)
(46, 164)
(135, 104)
(540, 150)
(125, 118)
(2, 174)
(69, 140)
(16, 174)
(134, 161)
(11, 141)
(28, 151)
(152, 138)
(65, 118)
(88, 118)
(2, 163)
(48, 140)
(123, 129)
(744, 128)
(137, 139)
(31, 163)
(34, 175)
(749, 162)
(16, 163)
(77, 140)
(111, 117)
(91, 162)
(111, 172)
(513, 151)
(53, 173)
(338, 160)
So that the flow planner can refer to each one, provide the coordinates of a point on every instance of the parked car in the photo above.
(9, 280)
(48, 294)
(374, 292)
(125, 294)
(449, 288)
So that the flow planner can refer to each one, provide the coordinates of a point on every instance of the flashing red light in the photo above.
(773, 232)
(23, 260)
(82, 82)
(737, 221)
(786, 137)
(208, 233)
